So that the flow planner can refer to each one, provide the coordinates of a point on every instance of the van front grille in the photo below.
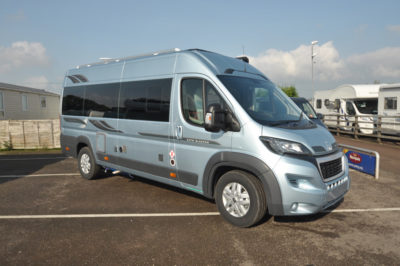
(331, 168)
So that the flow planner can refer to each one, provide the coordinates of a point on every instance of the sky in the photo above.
(358, 41)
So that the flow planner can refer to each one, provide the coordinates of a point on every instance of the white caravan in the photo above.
(349, 100)
(389, 95)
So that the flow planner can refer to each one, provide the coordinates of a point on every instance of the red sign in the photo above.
(355, 158)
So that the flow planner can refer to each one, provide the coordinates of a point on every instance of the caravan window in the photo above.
(367, 106)
(1, 105)
(390, 103)
(319, 103)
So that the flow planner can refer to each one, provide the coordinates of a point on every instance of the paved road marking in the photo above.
(41, 158)
(139, 215)
(110, 215)
(364, 210)
(37, 175)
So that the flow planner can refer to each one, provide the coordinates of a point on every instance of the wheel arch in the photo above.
(83, 141)
(223, 162)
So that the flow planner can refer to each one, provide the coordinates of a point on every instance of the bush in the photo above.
(290, 91)
(8, 145)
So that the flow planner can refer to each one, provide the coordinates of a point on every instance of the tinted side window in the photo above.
(198, 94)
(145, 100)
(192, 101)
(72, 103)
(102, 100)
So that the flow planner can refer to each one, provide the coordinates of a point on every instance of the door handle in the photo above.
(178, 132)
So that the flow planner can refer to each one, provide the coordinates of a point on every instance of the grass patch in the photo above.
(28, 151)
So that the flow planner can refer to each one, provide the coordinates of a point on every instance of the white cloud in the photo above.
(379, 64)
(296, 64)
(288, 67)
(22, 54)
(394, 28)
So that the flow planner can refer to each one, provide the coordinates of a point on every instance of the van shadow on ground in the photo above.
(13, 167)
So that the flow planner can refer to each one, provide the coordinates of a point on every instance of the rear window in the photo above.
(72, 103)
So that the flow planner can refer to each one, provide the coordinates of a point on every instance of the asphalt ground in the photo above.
(123, 221)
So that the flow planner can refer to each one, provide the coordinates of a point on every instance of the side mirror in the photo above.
(320, 116)
(214, 118)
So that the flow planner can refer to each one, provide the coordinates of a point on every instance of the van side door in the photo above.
(194, 146)
(144, 126)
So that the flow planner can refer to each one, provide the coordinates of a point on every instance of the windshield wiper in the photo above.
(284, 122)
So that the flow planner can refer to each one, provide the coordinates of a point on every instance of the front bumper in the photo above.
(303, 189)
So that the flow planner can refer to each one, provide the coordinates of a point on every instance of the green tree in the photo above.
(290, 91)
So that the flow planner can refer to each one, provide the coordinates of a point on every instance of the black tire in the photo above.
(87, 164)
(258, 203)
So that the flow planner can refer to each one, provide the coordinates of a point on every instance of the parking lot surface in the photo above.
(119, 220)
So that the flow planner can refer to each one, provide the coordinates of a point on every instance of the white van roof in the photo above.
(158, 64)
(351, 91)
(390, 86)
(359, 90)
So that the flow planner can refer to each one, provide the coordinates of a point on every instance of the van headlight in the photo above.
(281, 146)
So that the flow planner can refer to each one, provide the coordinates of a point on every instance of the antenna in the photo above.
(246, 57)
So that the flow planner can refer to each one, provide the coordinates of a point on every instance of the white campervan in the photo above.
(389, 95)
(349, 101)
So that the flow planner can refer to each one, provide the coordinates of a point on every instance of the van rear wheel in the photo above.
(240, 198)
(87, 165)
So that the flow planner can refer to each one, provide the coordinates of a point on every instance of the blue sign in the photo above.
(361, 162)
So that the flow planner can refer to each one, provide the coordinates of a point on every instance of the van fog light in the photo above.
(305, 184)
(294, 206)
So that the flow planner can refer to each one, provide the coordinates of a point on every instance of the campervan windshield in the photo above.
(263, 101)
(367, 106)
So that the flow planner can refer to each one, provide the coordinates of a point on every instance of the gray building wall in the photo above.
(13, 107)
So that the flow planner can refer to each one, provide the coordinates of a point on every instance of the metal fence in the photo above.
(378, 126)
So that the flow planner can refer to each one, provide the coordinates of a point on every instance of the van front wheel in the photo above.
(87, 165)
(240, 198)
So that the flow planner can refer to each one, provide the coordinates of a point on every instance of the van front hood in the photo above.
(318, 140)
